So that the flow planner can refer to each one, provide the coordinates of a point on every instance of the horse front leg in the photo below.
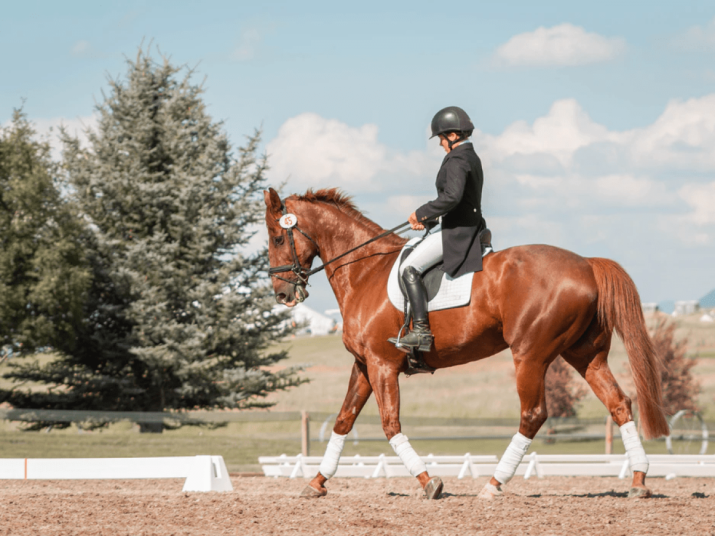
(532, 394)
(384, 380)
(359, 391)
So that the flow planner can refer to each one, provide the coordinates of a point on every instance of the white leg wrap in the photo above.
(407, 454)
(637, 459)
(513, 455)
(329, 465)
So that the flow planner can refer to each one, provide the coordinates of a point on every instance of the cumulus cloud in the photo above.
(314, 152)
(49, 129)
(699, 37)
(562, 45)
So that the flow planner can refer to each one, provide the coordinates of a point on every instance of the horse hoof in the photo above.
(311, 493)
(434, 487)
(640, 493)
(489, 492)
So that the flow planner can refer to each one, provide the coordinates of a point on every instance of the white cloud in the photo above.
(701, 197)
(697, 38)
(247, 45)
(563, 170)
(317, 153)
(81, 48)
(49, 129)
(562, 45)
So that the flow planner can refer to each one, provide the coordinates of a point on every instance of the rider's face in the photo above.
(443, 140)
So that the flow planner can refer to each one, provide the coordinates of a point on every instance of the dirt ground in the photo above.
(258, 505)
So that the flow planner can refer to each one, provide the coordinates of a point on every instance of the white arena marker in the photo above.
(209, 474)
(202, 473)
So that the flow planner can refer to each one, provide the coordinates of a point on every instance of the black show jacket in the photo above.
(459, 202)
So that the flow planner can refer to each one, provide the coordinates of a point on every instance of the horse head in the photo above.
(290, 254)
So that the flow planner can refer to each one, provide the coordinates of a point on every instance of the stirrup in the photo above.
(416, 364)
(419, 340)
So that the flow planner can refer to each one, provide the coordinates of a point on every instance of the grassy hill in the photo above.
(483, 389)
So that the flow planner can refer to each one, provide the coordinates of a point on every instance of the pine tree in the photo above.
(179, 318)
(43, 270)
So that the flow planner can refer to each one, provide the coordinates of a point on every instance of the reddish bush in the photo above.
(563, 390)
(680, 389)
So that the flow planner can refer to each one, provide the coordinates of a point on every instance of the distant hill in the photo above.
(708, 301)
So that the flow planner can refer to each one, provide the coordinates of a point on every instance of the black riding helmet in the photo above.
(452, 119)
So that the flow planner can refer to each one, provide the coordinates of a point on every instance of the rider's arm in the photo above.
(450, 188)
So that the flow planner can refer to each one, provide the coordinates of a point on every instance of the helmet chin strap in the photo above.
(452, 142)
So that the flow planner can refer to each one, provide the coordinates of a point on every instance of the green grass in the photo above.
(483, 389)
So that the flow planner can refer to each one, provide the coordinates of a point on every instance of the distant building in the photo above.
(650, 308)
(686, 307)
(315, 323)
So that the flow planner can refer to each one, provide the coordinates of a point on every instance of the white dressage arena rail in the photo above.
(202, 473)
(541, 465)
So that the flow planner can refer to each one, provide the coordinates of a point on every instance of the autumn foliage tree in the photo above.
(680, 388)
(563, 392)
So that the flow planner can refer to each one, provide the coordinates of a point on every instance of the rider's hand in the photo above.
(416, 226)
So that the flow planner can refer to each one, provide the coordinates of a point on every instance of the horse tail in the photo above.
(619, 308)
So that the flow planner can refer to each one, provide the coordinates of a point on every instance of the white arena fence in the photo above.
(541, 465)
(202, 473)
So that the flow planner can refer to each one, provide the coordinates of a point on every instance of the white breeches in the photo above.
(637, 460)
(427, 253)
(329, 465)
(514, 453)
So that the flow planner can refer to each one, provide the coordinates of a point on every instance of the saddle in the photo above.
(443, 292)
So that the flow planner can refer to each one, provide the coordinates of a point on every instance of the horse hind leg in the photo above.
(590, 358)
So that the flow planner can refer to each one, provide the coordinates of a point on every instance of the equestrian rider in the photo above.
(459, 204)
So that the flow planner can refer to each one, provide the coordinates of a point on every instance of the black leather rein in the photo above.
(301, 273)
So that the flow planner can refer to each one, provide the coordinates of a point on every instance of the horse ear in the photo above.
(272, 199)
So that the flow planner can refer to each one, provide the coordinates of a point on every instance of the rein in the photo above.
(301, 273)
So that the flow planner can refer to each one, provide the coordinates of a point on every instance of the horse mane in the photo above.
(344, 203)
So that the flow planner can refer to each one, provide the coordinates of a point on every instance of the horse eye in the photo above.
(278, 240)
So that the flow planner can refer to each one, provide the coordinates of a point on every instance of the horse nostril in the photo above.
(281, 298)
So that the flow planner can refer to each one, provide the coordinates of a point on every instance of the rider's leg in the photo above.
(426, 254)
(420, 337)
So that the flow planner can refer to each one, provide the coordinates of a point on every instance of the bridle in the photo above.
(296, 267)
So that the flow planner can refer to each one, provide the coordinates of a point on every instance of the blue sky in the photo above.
(596, 123)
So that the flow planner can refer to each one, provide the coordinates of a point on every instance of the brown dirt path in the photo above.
(554, 505)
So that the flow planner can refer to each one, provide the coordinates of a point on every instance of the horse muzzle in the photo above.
(299, 295)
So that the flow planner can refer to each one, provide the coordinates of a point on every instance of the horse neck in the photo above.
(337, 232)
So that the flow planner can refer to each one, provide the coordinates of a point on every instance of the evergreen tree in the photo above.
(43, 271)
(177, 318)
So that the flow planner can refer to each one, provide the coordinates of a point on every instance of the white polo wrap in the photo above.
(329, 465)
(637, 459)
(514, 453)
(407, 454)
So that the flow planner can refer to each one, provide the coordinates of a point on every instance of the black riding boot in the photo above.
(420, 337)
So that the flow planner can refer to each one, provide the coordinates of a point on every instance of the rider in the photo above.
(459, 203)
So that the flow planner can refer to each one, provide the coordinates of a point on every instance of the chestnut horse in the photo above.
(539, 301)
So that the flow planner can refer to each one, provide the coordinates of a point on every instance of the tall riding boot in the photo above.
(420, 337)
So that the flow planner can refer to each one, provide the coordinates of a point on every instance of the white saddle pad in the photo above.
(453, 292)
